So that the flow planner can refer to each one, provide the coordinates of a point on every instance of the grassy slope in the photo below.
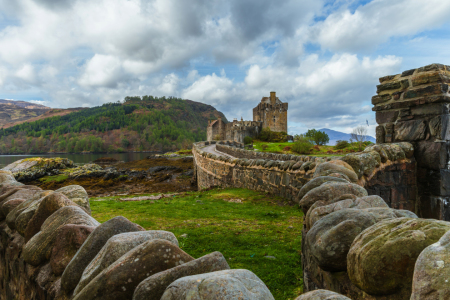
(243, 232)
(323, 150)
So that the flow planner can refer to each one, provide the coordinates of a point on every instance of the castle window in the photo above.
(274, 118)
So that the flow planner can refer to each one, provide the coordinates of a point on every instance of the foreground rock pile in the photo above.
(52, 248)
(356, 245)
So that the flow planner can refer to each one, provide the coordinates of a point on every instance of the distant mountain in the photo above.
(19, 111)
(341, 136)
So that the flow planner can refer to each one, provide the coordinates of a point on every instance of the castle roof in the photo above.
(267, 100)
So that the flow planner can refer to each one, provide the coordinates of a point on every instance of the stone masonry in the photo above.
(414, 106)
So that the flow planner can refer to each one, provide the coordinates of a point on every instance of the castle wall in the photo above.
(414, 107)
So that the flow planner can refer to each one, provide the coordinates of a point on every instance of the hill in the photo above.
(18, 111)
(341, 136)
(138, 124)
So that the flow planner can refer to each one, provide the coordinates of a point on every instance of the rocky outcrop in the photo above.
(29, 169)
(322, 295)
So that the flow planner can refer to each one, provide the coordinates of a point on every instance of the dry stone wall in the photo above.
(51, 248)
(414, 106)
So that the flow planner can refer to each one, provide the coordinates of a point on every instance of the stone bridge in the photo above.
(375, 222)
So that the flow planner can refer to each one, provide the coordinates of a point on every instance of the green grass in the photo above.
(243, 232)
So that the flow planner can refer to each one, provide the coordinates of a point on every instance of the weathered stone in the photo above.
(76, 194)
(335, 168)
(380, 150)
(432, 270)
(407, 148)
(154, 286)
(9, 205)
(47, 207)
(431, 155)
(93, 244)
(316, 182)
(408, 72)
(317, 212)
(386, 116)
(330, 238)
(13, 214)
(321, 295)
(381, 99)
(117, 246)
(383, 213)
(394, 151)
(370, 161)
(428, 78)
(33, 168)
(386, 78)
(380, 134)
(381, 259)
(25, 216)
(432, 67)
(221, 285)
(69, 239)
(435, 126)
(410, 130)
(120, 279)
(329, 191)
(388, 86)
(429, 90)
(354, 160)
(39, 248)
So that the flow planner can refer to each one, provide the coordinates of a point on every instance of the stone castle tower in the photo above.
(272, 113)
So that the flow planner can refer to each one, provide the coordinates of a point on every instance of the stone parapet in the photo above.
(414, 106)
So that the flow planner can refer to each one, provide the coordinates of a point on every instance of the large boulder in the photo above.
(120, 279)
(48, 205)
(329, 191)
(69, 239)
(7, 179)
(329, 240)
(381, 259)
(432, 271)
(13, 214)
(76, 194)
(90, 248)
(87, 171)
(117, 246)
(220, 285)
(9, 205)
(28, 169)
(39, 248)
(154, 286)
(316, 182)
(322, 295)
(332, 167)
(317, 212)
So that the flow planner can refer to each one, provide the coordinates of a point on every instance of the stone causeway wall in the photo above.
(361, 236)
(52, 248)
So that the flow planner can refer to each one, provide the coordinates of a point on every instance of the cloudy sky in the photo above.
(323, 57)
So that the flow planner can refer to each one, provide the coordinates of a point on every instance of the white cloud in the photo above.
(102, 71)
(377, 21)
(26, 73)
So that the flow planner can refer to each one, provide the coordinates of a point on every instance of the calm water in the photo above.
(79, 159)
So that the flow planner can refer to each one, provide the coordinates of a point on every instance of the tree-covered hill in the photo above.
(138, 124)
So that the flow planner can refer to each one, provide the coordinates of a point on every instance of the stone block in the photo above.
(380, 134)
(432, 67)
(434, 89)
(408, 72)
(387, 78)
(430, 109)
(427, 78)
(389, 86)
(386, 116)
(381, 99)
(410, 130)
(434, 207)
(433, 182)
(431, 155)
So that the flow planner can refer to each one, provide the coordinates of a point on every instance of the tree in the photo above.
(317, 137)
(359, 134)
(248, 140)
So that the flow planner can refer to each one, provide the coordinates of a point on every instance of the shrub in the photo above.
(316, 147)
(318, 137)
(287, 148)
(264, 147)
(301, 146)
(341, 145)
(248, 140)
(268, 135)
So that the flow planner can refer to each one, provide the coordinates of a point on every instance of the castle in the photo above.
(269, 113)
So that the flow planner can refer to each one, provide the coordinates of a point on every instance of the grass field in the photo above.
(316, 151)
(245, 226)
